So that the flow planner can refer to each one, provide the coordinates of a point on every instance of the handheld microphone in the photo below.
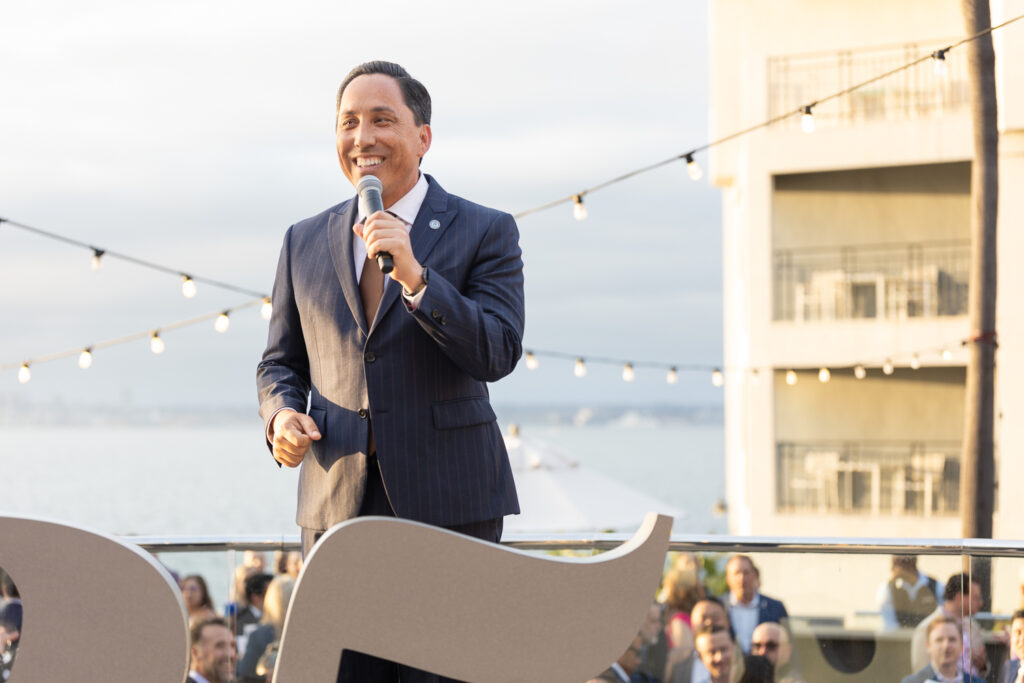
(369, 189)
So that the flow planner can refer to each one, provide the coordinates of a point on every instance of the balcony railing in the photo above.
(891, 282)
(915, 478)
(918, 92)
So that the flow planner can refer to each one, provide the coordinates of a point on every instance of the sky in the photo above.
(193, 134)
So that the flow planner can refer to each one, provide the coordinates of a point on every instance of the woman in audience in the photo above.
(275, 607)
(197, 599)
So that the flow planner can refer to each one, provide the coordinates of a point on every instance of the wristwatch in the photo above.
(423, 285)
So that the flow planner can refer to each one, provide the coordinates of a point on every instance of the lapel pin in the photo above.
(434, 224)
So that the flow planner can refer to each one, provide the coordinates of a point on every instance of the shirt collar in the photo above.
(754, 601)
(409, 205)
(197, 677)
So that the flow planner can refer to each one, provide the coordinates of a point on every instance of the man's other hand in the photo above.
(292, 434)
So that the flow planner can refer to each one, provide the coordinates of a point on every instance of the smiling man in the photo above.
(393, 369)
(945, 643)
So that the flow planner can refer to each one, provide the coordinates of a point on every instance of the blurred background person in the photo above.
(622, 669)
(945, 642)
(10, 633)
(275, 608)
(771, 641)
(212, 652)
(197, 599)
(1012, 670)
(748, 607)
(908, 596)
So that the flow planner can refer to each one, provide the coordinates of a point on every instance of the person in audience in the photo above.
(288, 562)
(908, 596)
(718, 653)
(275, 608)
(757, 669)
(197, 599)
(654, 658)
(10, 634)
(622, 669)
(256, 560)
(254, 589)
(771, 640)
(682, 590)
(1013, 671)
(212, 652)
(956, 605)
(747, 607)
(945, 641)
(707, 613)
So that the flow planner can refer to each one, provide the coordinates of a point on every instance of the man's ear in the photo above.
(425, 137)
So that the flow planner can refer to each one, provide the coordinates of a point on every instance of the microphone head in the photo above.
(369, 182)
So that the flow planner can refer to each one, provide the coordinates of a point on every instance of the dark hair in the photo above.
(1019, 614)
(196, 632)
(709, 629)
(758, 670)
(256, 585)
(414, 93)
(958, 584)
(753, 567)
(204, 592)
(941, 620)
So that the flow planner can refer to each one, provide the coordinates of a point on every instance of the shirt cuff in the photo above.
(413, 302)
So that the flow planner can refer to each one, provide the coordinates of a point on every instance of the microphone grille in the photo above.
(368, 182)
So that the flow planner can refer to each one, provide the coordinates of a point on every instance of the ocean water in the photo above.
(204, 480)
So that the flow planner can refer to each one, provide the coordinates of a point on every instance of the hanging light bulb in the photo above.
(946, 354)
(188, 286)
(717, 379)
(673, 376)
(266, 308)
(24, 374)
(156, 344)
(97, 259)
(580, 369)
(807, 120)
(222, 323)
(939, 61)
(579, 212)
(859, 372)
(85, 359)
(824, 375)
(531, 361)
(915, 362)
(628, 375)
(755, 377)
(887, 367)
(790, 377)
(693, 168)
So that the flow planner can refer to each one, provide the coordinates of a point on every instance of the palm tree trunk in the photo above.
(977, 471)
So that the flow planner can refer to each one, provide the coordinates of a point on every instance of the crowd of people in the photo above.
(690, 636)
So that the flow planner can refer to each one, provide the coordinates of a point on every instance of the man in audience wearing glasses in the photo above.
(771, 640)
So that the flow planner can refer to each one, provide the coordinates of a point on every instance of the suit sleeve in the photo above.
(481, 328)
(282, 377)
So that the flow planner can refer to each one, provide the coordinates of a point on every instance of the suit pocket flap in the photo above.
(463, 412)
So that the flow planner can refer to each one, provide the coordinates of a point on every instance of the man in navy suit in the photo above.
(945, 643)
(394, 370)
(1012, 668)
(747, 607)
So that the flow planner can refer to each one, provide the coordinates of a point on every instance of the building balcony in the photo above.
(928, 90)
(893, 282)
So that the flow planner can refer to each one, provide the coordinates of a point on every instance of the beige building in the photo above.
(847, 249)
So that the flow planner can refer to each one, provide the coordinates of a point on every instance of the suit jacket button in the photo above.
(362, 413)
(443, 320)
(435, 314)
(369, 357)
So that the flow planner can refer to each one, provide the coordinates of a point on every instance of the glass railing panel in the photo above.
(886, 282)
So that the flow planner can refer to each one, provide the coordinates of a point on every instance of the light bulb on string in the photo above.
(24, 374)
(915, 362)
(97, 259)
(628, 374)
(579, 211)
(790, 377)
(673, 376)
(824, 375)
(946, 354)
(580, 369)
(807, 119)
(266, 308)
(531, 361)
(939, 62)
(887, 367)
(85, 359)
(156, 344)
(188, 286)
(222, 323)
(717, 378)
(693, 168)
(755, 377)
(859, 372)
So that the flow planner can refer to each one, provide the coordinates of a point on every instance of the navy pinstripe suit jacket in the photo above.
(419, 376)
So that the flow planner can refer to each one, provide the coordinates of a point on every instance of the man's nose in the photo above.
(364, 135)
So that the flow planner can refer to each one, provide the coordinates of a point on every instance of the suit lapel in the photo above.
(339, 239)
(422, 236)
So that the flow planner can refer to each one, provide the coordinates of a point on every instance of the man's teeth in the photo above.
(365, 163)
